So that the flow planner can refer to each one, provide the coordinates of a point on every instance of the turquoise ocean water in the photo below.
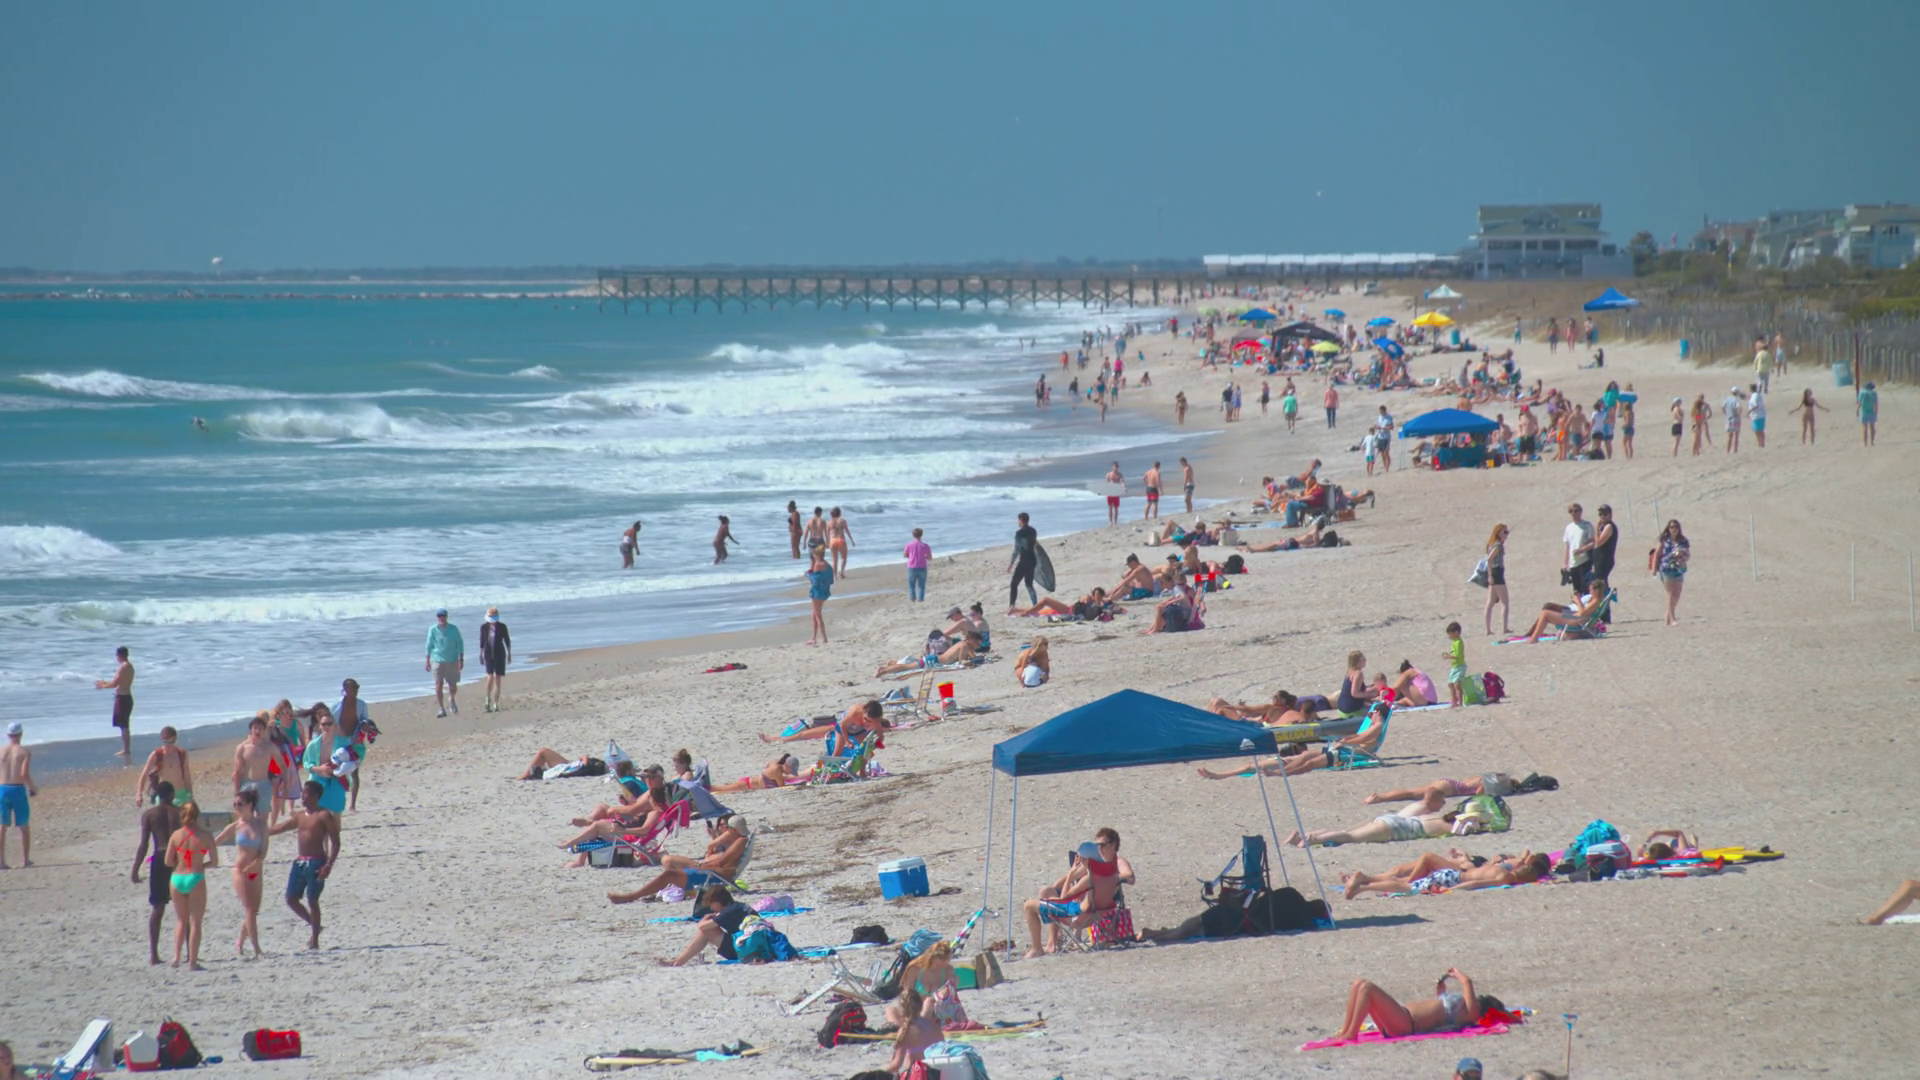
(369, 458)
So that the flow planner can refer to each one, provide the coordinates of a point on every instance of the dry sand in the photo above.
(1777, 713)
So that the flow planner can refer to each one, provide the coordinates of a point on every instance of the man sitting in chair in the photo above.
(1086, 893)
(719, 866)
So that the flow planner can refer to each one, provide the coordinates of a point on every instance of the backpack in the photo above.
(888, 987)
(176, 1047)
(872, 933)
(1284, 909)
(265, 1044)
(1329, 539)
(1493, 687)
(846, 1018)
(1236, 564)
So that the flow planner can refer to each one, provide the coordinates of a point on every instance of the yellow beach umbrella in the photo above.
(1433, 318)
(1325, 347)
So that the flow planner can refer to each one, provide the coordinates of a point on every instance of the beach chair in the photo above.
(1353, 757)
(851, 765)
(1593, 626)
(1227, 890)
(637, 849)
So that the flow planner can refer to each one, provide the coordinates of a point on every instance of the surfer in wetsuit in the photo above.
(1026, 557)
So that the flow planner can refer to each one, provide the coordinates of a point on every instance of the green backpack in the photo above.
(1488, 811)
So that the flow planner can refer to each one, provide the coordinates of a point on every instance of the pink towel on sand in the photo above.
(1376, 1037)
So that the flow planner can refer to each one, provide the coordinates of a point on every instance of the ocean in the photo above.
(374, 452)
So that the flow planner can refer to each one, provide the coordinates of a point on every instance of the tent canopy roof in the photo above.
(1610, 300)
(1447, 422)
(1124, 729)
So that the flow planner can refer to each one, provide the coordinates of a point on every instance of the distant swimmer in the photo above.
(199, 425)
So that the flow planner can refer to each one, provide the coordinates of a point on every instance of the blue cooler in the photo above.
(1842, 373)
(903, 877)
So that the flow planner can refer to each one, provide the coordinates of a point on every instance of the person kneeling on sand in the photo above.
(1031, 665)
(720, 917)
(1175, 614)
(717, 867)
(1086, 893)
(1456, 869)
(1445, 1011)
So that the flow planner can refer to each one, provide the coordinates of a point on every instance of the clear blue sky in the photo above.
(153, 136)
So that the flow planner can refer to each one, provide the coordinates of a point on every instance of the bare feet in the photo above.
(621, 898)
(1294, 839)
(313, 939)
(666, 963)
(1034, 954)
(1372, 800)
(194, 965)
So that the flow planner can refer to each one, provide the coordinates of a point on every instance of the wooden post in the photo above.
(1912, 624)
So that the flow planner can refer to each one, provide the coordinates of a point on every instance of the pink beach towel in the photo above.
(1376, 1037)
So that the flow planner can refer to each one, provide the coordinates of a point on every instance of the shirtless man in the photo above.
(1186, 482)
(167, 762)
(1152, 482)
(1432, 873)
(1086, 894)
(1527, 434)
(250, 761)
(1436, 793)
(793, 526)
(1114, 476)
(16, 787)
(719, 866)
(859, 719)
(122, 686)
(815, 534)
(1136, 581)
(157, 825)
(319, 850)
(720, 538)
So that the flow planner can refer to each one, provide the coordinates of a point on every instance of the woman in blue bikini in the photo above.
(1448, 1010)
(191, 853)
(249, 835)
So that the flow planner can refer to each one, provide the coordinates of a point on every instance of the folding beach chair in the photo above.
(1353, 757)
(1593, 626)
(637, 849)
(851, 765)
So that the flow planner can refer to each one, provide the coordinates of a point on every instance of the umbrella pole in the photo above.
(986, 884)
(1311, 865)
(1013, 849)
(1285, 878)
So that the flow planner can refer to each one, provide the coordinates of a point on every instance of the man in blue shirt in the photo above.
(446, 655)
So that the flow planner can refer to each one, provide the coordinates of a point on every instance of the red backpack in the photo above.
(176, 1047)
(1494, 688)
(265, 1044)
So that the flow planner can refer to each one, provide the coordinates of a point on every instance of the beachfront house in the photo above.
(1545, 240)
(1877, 237)
(1777, 236)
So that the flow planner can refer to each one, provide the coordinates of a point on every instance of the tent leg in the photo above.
(986, 873)
(1311, 865)
(1013, 849)
(1285, 878)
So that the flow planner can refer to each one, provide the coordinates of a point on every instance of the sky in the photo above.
(489, 133)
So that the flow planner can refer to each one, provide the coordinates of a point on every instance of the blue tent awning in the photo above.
(1390, 347)
(1447, 422)
(1611, 300)
(1124, 729)
(1258, 315)
(1380, 321)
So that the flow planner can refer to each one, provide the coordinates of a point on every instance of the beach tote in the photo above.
(176, 1047)
(1479, 575)
(265, 1044)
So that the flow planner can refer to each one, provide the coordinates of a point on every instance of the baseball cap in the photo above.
(14, 728)
(954, 612)
(439, 612)
(1468, 1067)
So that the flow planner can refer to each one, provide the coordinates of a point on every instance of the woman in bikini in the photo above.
(1701, 412)
(959, 652)
(1087, 607)
(249, 835)
(839, 541)
(779, 772)
(1445, 1011)
(1806, 409)
(190, 854)
(931, 973)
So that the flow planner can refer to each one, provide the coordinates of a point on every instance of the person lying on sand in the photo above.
(858, 719)
(1683, 846)
(960, 652)
(1387, 828)
(1084, 895)
(1446, 1011)
(1308, 539)
(547, 758)
(1456, 869)
(1090, 606)
(717, 867)
(1365, 741)
(1567, 615)
(1283, 709)
(1136, 582)
(1493, 783)
(779, 772)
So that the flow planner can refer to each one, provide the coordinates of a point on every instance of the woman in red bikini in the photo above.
(249, 835)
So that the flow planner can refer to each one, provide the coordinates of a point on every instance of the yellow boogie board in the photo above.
(1741, 854)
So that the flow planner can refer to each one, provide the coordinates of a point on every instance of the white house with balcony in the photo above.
(1545, 240)
(1877, 237)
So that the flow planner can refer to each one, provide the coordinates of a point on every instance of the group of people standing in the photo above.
(1588, 550)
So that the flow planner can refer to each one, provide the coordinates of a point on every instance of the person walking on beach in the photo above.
(1757, 411)
(1026, 559)
(1867, 404)
(248, 834)
(253, 763)
(446, 656)
(1730, 409)
(1186, 482)
(793, 526)
(1606, 537)
(1779, 353)
(724, 534)
(1806, 409)
(16, 787)
(1114, 476)
(1576, 550)
(629, 544)
(122, 686)
(1456, 657)
(839, 540)
(918, 555)
(167, 762)
(1670, 562)
(157, 823)
(1289, 407)
(496, 652)
(1152, 482)
(1331, 399)
(319, 849)
(1384, 437)
(1266, 394)
(819, 588)
(1497, 580)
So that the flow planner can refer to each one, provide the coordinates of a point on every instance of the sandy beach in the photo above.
(457, 944)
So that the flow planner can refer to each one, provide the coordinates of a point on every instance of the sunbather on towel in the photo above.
(717, 867)
(1032, 665)
(1284, 709)
(1455, 870)
(1365, 741)
(1436, 793)
(960, 652)
(859, 719)
(1683, 846)
(1308, 539)
(1136, 581)
(1384, 829)
(779, 772)
(1086, 893)
(1446, 1011)
(720, 917)
(1090, 606)
(1567, 615)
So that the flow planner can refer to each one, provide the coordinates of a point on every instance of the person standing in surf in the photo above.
(629, 544)
(839, 541)
(720, 538)
(816, 531)
(1026, 559)
(793, 526)
(122, 685)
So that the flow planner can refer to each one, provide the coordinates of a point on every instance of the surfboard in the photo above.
(1107, 487)
(1043, 569)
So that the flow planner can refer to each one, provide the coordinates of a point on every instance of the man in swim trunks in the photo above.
(1152, 482)
(319, 850)
(167, 762)
(1456, 869)
(250, 763)
(719, 866)
(157, 824)
(816, 531)
(16, 786)
(1114, 476)
(1186, 482)
(1384, 829)
(1136, 581)
(122, 685)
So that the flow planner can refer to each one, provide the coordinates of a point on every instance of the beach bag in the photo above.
(1473, 691)
(872, 933)
(781, 904)
(1236, 564)
(759, 943)
(265, 1044)
(1492, 687)
(176, 1047)
(1479, 575)
(1329, 539)
(846, 1018)
(1596, 833)
(888, 987)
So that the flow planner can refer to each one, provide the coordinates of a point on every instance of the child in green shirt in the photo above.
(1456, 655)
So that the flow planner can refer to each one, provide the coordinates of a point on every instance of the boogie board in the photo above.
(1107, 487)
(1740, 854)
(1043, 569)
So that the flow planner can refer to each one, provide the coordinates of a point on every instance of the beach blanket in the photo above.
(1903, 919)
(633, 1059)
(690, 918)
(1001, 1030)
(1366, 1037)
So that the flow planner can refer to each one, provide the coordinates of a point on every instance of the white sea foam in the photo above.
(537, 371)
(307, 424)
(40, 545)
(114, 384)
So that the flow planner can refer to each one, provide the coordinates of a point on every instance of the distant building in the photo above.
(1545, 240)
(1717, 235)
(1782, 233)
(1877, 237)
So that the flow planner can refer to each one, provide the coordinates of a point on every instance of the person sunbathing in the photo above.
(856, 720)
(718, 866)
(1308, 539)
(1902, 898)
(1136, 582)
(650, 795)
(1432, 873)
(1683, 846)
(1445, 1011)
(1387, 828)
(1365, 741)
(1086, 893)
(779, 772)
(1031, 665)
(1089, 606)
(1566, 615)
(1283, 709)
(548, 758)
(961, 652)
(1493, 783)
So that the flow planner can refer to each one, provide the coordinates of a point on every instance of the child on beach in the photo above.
(1456, 655)
(1368, 446)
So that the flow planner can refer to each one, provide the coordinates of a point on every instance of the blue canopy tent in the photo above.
(1258, 315)
(1118, 731)
(1611, 300)
(1380, 320)
(1447, 422)
(1390, 347)
(1335, 312)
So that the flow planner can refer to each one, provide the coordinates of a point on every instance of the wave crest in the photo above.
(40, 545)
(114, 384)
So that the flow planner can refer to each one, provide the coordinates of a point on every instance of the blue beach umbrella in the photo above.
(1390, 347)
(1335, 312)
(1381, 321)
(1258, 315)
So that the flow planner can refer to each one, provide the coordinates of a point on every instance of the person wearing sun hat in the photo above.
(496, 652)
(1468, 1069)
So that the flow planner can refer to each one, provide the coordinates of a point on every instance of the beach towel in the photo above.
(633, 1059)
(1375, 1037)
(1902, 919)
